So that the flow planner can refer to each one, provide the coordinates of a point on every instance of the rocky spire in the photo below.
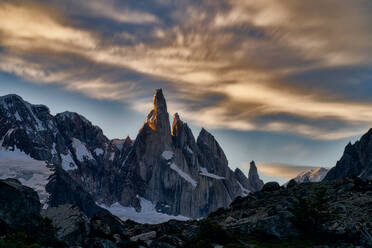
(182, 134)
(254, 179)
(242, 179)
(207, 140)
(158, 118)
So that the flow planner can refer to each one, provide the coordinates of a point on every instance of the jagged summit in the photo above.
(160, 105)
(253, 177)
(158, 118)
(356, 160)
(11, 96)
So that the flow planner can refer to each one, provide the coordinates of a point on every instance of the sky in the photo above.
(285, 83)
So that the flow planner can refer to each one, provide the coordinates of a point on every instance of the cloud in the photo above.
(26, 25)
(284, 171)
(237, 65)
(110, 10)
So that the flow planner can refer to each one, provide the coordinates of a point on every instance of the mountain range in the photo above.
(164, 167)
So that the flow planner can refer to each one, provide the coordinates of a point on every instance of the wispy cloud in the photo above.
(241, 54)
(111, 10)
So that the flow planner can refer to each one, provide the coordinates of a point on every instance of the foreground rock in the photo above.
(323, 214)
(20, 221)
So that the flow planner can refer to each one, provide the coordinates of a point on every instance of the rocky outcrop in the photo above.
(324, 214)
(254, 180)
(356, 160)
(21, 224)
(19, 206)
(65, 190)
(71, 224)
(270, 186)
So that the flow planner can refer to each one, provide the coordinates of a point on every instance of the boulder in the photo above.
(19, 206)
(270, 186)
(71, 224)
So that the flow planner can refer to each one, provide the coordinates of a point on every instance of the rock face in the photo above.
(164, 164)
(254, 180)
(356, 160)
(71, 224)
(252, 183)
(179, 175)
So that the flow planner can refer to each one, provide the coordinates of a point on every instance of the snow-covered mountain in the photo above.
(313, 175)
(164, 167)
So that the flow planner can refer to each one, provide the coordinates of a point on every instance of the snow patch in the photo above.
(39, 124)
(67, 162)
(81, 150)
(184, 175)
(189, 150)
(17, 116)
(30, 172)
(9, 132)
(98, 151)
(147, 215)
(168, 155)
(244, 190)
(204, 172)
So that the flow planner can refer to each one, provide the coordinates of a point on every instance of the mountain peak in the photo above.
(12, 96)
(253, 177)
(160, 105)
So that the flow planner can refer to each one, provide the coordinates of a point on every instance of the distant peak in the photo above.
(253, 165)
(128, 140)
(12, 96)
(205, 135)
(72, 115)
(177, 117)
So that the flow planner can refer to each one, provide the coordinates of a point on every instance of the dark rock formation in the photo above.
(65, 190)
(356, 160)
(19, 206)
(270, 186)
(71, 224)
(21, 224)
(254, 180)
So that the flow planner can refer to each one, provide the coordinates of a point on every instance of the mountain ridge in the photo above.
(164, 163)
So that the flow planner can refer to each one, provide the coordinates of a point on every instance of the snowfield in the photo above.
(30, 172)
(147, 215)
(244, 190)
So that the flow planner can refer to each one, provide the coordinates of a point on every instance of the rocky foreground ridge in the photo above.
(323, 214)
